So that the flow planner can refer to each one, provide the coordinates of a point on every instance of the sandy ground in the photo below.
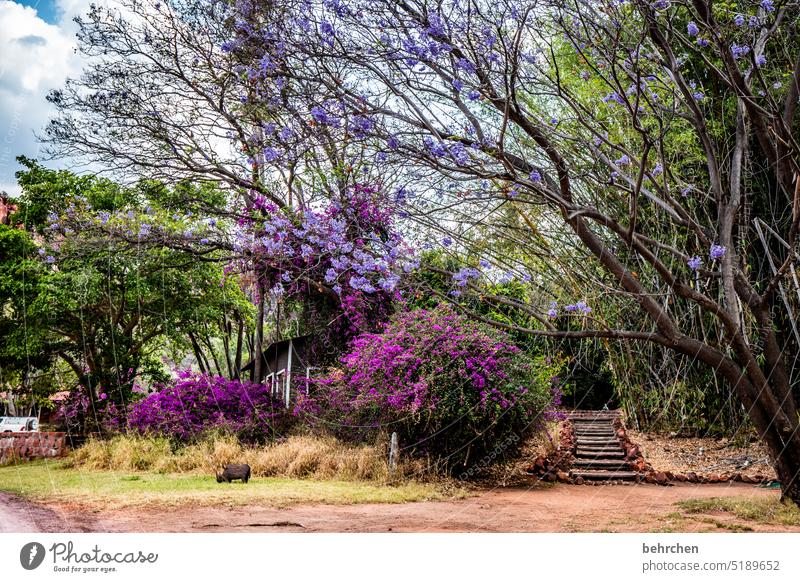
(560, 508)
(17, 516)
(704, 456)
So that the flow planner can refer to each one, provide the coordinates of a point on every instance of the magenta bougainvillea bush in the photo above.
(451, 387)
(198, 403)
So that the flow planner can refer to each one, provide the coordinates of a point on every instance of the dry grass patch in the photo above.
(764, 511)
(308, 457)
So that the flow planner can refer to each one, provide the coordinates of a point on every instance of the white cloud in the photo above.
(36, 57)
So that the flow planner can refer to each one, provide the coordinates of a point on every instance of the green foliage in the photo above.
(47, 191)
(21, 273)
(111, 310)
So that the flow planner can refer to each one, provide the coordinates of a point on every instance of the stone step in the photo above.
(595, 450)
(604, 429)
(603, 464)
(593, 428)
(599, 440)
(583, 453)
(591, 414)
(596, 435)
(605, 475)
(584, 445)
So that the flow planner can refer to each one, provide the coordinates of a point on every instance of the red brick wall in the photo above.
(30, 445)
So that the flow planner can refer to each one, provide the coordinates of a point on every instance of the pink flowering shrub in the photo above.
(198, 403)
(451, 387)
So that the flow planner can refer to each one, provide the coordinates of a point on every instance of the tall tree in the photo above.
(109, 307)
(471, 91)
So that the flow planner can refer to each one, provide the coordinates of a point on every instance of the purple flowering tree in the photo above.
(341, 265)
(178, 96)
(648, 139)
(644, 149)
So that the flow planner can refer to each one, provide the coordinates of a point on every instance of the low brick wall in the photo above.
(24, 446)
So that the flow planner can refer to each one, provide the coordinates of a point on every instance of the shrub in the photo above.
(299, 456)
(451, 387)
(198, 403)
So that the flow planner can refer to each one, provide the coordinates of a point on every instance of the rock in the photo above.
(650, 478)
(747, 479)
(737, 477)
(681, 477)
(670, 475)
(691, 477)
(562, 476)
(549, 477)
(579, 481)
(713, 478)
(661, 478)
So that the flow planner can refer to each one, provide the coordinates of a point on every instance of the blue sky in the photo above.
(46, 9)
(37, 41)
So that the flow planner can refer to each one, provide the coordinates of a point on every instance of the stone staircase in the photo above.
(598, 453)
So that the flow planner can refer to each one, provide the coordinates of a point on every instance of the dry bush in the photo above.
(301, 456)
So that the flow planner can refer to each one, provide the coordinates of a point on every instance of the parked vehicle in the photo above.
(19, 424)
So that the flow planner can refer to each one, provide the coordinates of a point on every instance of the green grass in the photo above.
(766, 511)
(52, 481)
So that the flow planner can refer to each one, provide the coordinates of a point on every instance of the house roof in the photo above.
(275, 348)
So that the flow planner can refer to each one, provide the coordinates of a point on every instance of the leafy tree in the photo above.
(22, 347)
(472, 92)
(109, 309)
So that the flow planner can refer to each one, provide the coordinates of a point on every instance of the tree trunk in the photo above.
(779, 431)
(783, 441)
(12, 408)
(259, 347)
(198, 354)
(226, 345)
(238, 360)
(217, 366)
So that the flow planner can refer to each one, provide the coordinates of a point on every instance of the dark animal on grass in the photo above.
(234, 471)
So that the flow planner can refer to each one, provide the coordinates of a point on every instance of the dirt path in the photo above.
(562, 508)
(18, 516)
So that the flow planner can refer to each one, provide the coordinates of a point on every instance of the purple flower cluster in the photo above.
(739, 51)
(350, 248)
(198, 403)
(716, 252)
(579, 307)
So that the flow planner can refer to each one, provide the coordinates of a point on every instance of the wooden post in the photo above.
(289, 373)
(394, 451)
